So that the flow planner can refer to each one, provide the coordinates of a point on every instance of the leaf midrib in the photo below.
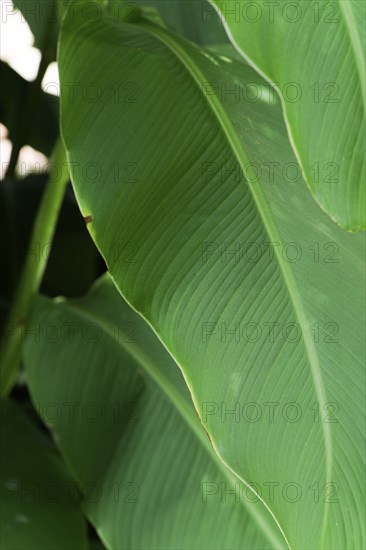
(263, 209)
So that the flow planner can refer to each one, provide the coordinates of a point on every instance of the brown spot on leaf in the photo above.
(88, 219)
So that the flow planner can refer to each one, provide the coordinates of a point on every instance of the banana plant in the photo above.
(225, 249)
(223, 355)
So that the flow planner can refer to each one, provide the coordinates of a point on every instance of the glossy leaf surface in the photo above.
(314, 53)
(210, 233)
(144, 462)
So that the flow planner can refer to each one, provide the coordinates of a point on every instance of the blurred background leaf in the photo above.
(43, 19)
(40, 501)
(41, 128)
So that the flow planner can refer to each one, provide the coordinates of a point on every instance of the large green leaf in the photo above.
(40, 507)
(209, 193)
(315, 53)
(150, 476)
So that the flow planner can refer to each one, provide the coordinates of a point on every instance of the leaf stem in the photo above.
(33, 271)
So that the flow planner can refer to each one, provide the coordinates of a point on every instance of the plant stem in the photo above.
(33, 270)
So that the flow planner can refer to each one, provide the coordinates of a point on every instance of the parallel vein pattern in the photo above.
(157, 482)
(314, 54)
(214, 273)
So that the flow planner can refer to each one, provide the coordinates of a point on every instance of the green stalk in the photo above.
(33, 271)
